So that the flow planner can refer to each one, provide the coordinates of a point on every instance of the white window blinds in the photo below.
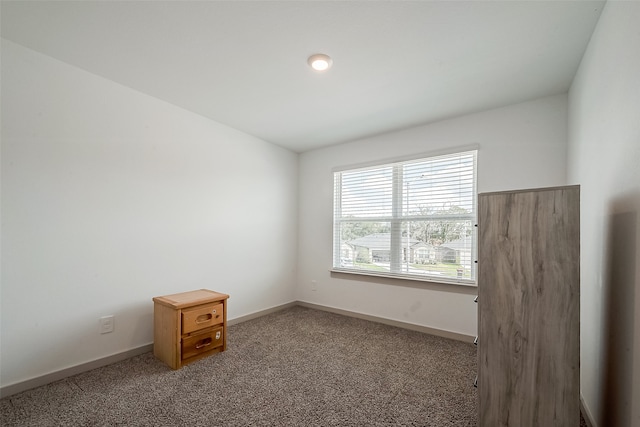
(411, 219)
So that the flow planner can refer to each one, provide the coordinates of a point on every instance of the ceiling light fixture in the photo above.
(320, 62)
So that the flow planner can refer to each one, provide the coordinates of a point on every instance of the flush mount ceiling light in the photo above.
(320, 62)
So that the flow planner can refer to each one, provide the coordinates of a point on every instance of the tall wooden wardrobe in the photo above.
(529, 308)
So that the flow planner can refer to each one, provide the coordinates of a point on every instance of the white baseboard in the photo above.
(260, 313)
(98, 363)
(404, 325)
(74, 370)
(586, 413)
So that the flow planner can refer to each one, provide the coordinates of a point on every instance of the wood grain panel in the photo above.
(528, 307)
(166, 335)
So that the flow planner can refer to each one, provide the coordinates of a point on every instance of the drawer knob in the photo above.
(218, 335)
(214, 311)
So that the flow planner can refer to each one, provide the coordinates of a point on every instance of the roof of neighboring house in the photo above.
(421, 244)
(458, 245)
(378, 241)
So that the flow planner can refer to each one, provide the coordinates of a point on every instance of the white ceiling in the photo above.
(396, 63)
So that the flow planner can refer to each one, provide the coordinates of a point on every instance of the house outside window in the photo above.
(412, 219)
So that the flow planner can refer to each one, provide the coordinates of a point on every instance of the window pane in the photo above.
(365, 245)
(441, 248)
(367, 193)
(439, 186)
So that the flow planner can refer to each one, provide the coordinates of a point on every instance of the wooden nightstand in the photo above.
(189, 326)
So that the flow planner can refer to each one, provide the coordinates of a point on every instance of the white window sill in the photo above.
(415, 278)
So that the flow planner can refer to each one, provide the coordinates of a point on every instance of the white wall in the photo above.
(111, 197)
(604, 158)
(520, 146)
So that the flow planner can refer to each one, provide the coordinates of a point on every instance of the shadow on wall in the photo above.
(619, 311)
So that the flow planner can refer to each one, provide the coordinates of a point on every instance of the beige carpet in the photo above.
(297, 367)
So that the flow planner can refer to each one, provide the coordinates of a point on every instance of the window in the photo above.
(413, 219)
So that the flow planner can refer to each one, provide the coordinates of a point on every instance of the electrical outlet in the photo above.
(107, 324)
(314, 285)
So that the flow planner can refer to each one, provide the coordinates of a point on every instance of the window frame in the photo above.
(397, 219)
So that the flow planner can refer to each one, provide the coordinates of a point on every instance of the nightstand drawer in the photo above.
(202, 342)
(201, 317)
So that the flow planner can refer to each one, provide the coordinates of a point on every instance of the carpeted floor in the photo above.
(297, 367)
